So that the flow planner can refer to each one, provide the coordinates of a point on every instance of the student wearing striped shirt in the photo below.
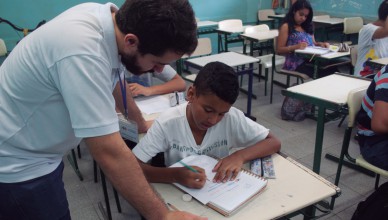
(373, 121)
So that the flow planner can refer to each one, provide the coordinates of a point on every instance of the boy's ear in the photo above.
(190, 93)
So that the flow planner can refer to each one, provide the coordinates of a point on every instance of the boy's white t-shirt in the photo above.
(369, 49)
(171, 134)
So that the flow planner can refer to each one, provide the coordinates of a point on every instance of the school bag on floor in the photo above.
(375, 206)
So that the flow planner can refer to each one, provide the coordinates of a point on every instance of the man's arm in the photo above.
(134, 112)
(121, 168)
(175, 84)
(380, 117)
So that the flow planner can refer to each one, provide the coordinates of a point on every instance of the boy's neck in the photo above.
(197, 133)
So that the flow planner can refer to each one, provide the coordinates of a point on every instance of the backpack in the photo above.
(294, 109)
(375, 206)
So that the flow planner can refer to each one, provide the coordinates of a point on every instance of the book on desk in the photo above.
(225, 198)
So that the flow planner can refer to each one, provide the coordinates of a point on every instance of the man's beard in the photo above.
(131, 64)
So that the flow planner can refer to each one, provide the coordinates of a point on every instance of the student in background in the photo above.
(372, 121)
(56, 90)
(172, 83)
(372, 43)
(140, 85)
(207, 124)
(297, 32)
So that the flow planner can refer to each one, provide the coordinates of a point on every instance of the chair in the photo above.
(257, 46)
(229, 38)
(354, 105)
(262, 17)
(204, 48)
(3, 51)
(299, 76)
(352, 26)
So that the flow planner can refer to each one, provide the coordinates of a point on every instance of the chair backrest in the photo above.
(353, 54)
(262, 15)
(3, 48)
(353, 25)
(203, 48)
(256, 28)
(354, 104)
(230, 23)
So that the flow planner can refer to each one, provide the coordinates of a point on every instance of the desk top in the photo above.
(278, 16)
(201, 24)
(259, 36)
(328, 56)
(330, 20)
(230, 58)
(233, 30)
(333, 88)
(381, 61)
(295, 187)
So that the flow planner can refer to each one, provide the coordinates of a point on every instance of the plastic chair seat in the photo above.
(294, 73)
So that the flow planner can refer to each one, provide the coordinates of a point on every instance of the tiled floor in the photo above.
(298, 138)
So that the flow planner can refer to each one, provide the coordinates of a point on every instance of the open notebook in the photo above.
(317, 50)
(225, 198)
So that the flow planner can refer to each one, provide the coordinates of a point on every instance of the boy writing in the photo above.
(207, 124)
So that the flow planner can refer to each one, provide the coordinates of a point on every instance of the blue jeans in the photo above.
(42, 198)
(375, 150)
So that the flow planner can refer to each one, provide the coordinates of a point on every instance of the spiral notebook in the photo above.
(225, 198)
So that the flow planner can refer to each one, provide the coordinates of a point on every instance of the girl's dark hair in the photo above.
(160, 25)
(219, 79)
(307, 25)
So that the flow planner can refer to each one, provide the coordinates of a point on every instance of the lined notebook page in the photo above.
(226, 196)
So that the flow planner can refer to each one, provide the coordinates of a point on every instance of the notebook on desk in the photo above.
(225, 198)
(314, 50)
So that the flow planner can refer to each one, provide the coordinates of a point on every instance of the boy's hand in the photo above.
(191, 179)
(228, 168)
(138, 89)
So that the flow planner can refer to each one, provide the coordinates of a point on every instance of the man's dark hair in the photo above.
(219, 79)
(160, 25)
(383, 10)
(307, 25)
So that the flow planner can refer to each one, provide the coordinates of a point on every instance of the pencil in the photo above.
(312, 57)
(190, 168)
(172, 207)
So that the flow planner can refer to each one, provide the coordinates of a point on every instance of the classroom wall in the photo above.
(27, 14)
(348, 8)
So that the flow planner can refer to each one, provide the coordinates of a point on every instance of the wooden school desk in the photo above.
(259, 37)
(330, 92)
(232, 59)
(206, 27)
(321, 58)
(224, 33)
(378, 63)
(295, 188)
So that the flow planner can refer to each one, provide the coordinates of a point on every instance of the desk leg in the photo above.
(226, 42)
(249, 102)
(319, 139)
(316, 65)
(219, 42)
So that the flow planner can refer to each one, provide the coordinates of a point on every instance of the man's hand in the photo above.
(180, 215)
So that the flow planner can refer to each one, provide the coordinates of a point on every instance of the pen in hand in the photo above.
(190, 168)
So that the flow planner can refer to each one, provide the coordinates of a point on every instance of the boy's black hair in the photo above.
(383, 10)
(160, 25)
(307, 25)
(219, 79)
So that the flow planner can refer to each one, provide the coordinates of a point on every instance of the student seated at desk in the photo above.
(207, 124)
(372, 43)
(372, 121)
(172, 82)
(297, 32)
